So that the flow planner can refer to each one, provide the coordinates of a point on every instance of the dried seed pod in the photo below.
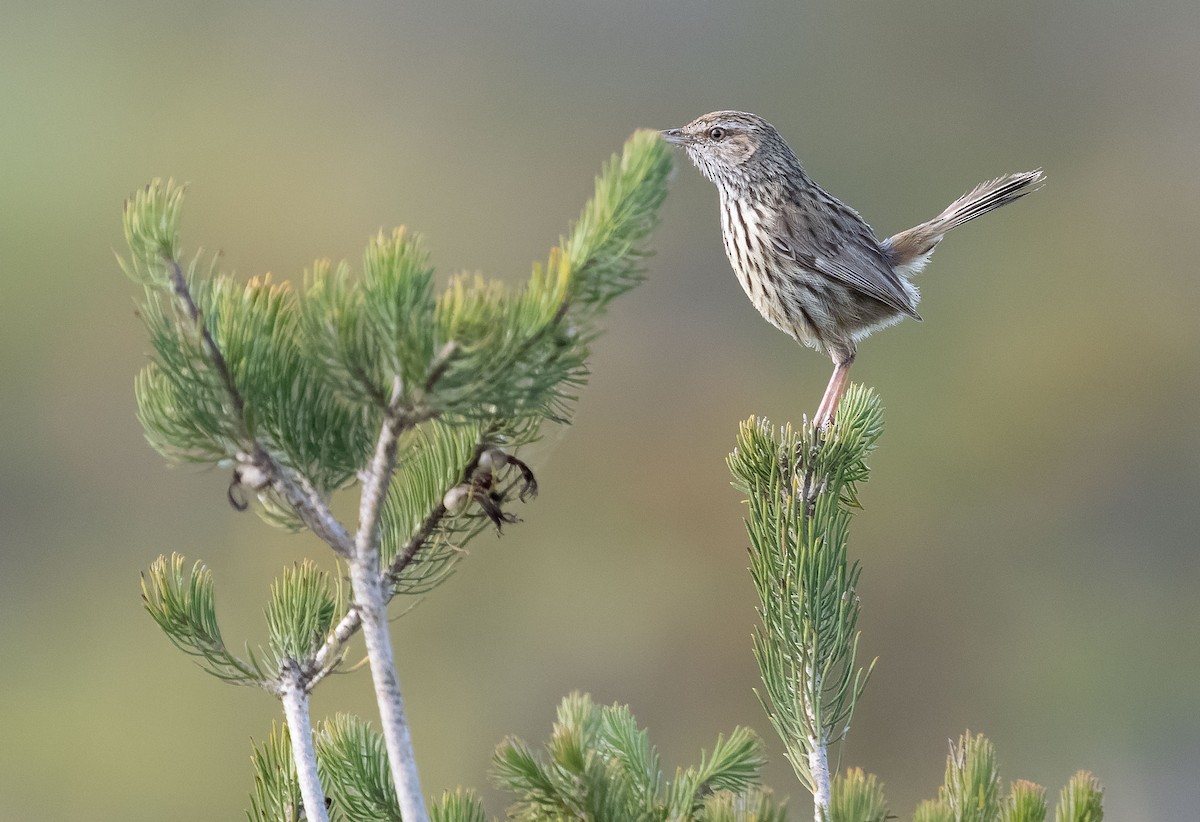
(246, 476)
(456, 499)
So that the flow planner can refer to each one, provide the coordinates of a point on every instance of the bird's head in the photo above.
(733, 148)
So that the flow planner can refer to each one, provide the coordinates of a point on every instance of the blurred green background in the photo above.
(1030, 533)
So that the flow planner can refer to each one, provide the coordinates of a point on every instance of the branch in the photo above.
(330, 655)
(305, 500)
(295, 710)
(440, 363)
(375, 488)
(370, 604)
(184, 295)
(298, 491)
(801, 486)
(416, 542)
(818, 755)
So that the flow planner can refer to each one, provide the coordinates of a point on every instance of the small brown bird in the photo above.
(807, 261)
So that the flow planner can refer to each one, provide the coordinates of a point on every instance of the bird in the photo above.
(808, 262)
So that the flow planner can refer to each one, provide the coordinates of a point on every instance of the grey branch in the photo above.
(295, 710)
(298, 491)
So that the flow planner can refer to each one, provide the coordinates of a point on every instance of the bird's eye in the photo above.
(716, 133)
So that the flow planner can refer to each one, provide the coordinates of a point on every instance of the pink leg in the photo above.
(833, 393)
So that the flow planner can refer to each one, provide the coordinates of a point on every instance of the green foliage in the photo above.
(801, 487)
(602, 767)
(293, 414)
(151, 222)
(189, 413)
(353, 763)
(431, 459)
(1026, 803)
(752, 805)
(971, 792)
(308, 377)
(295, 388)
(520, 355)
(800, 490)
(460, 806)
(857, 797)
(373, 336)
(514, 360)
(604, 249)
(311, 375)
(300, 612)
(1081, 800)
(276, 793)
(732, 768)
(184, 606)
(299, 615)
(933, 810)
(972, 786)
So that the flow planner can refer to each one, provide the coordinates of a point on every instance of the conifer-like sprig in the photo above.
(800, 486)
(1082, 800)
(856, 796)
(602, 767)
(458, 806)
(290, 387)
(276, 793)
(373, 334)
(605, 248)
(1026, 803)
(933, 810)
(753, 805)
(300, 612)
(184, 606)
(352, 760)
(432, 460)
(971, 792)
(367, 378)
(514, 359)
(259, 375)
(972, 785)
(354, 770)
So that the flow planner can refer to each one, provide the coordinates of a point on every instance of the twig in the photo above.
(184, 295)
(372, 606)
(441, 362)
(298, 491)
(295, 710)
(818, 754)
(370, 602)
(416, 542)
(375, 486)
(329, 655)
(307, 503)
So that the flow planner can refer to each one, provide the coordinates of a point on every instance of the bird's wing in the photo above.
(842, 248)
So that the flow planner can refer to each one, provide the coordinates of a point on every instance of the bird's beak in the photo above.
(675, 136)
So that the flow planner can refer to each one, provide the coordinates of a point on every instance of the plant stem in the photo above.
(329, 656)
(371, 604)
(815, 741)
(306, 502)
(295, 710)
(298, 492)
(818, 765)
(370, 600)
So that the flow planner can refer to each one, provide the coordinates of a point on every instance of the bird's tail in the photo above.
(911, 249)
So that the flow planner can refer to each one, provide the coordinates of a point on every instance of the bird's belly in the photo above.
(770, 291)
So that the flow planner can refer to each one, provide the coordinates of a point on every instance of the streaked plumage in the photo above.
(808, 262)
